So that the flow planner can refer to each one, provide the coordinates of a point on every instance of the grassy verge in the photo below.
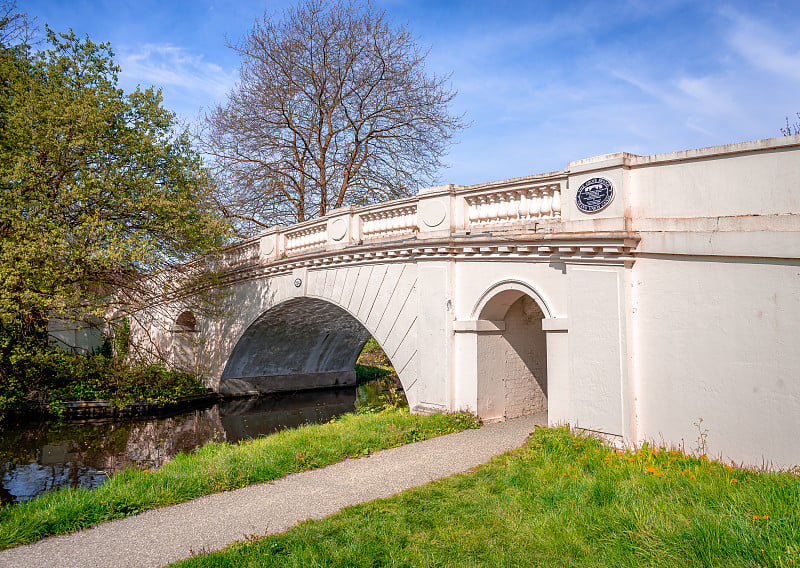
(220, 467)
(562, 500)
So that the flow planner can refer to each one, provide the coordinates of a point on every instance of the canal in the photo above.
(44, 456)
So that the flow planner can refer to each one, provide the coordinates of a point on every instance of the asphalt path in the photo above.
(161, 536)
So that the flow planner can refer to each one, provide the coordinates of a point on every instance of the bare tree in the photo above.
(791, 129)
(333, 107)
(15, 27)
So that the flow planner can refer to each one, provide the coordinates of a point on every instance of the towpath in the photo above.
(168, 534)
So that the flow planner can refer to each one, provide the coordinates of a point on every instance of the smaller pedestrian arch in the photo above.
(511, 351)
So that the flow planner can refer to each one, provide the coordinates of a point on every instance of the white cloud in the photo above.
(187, 80)
(707, 95)
(765, 48)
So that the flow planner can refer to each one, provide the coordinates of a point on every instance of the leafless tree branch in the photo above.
(333, 107)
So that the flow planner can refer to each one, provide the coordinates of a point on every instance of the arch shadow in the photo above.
(302, 343)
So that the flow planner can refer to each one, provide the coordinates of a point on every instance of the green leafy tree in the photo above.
(99, 190)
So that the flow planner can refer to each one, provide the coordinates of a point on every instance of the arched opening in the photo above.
(186, 322)
(512, 357)
(301, 344)
(185, 341)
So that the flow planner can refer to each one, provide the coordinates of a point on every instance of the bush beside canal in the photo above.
(44, 381)
(221, 467)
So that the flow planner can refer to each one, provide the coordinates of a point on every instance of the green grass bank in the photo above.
(564, 499)
(221, 467)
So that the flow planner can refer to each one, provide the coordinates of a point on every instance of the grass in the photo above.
(220, 467)
(564, 499)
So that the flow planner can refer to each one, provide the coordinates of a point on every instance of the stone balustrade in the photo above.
(306, 238)
(241, 252)
(515, 205)
(526, 203)
(389, 222)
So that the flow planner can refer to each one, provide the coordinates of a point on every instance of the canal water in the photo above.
(44, 456)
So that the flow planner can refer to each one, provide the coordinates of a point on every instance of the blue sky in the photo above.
(542, 83)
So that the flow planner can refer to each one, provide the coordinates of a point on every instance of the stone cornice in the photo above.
(596, 248)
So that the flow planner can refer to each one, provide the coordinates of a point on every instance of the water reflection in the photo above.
(35, 459)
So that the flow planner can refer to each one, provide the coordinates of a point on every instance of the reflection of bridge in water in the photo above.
(51, 456)
(668, 298)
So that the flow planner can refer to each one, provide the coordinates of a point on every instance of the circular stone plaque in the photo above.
(432, 213)
(297, 282)
(338, 229)
(594, 195)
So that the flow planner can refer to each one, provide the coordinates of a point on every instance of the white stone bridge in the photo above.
(671, 294)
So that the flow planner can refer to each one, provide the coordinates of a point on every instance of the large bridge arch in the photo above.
(310, 336)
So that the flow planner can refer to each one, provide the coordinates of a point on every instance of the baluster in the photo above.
(522, 204)
(556, 201)
(502, 208)
(472, 210)
(388, 223)
(492, 209)
(483, 209)
(536, 203)
(545, 207)
(513, 206)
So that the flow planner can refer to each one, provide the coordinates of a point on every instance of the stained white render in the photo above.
(677, 300)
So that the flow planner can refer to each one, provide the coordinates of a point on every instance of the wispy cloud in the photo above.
(183, 76)
(764, 47)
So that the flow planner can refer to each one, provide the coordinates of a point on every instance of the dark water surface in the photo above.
(39, 457)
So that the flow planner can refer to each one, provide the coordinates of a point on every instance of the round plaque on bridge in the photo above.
(338, 229)
(594, 195)
(432, 213)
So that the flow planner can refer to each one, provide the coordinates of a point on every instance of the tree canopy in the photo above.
(98, 188)
(333, 107)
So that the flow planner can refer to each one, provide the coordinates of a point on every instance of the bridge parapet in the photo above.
(531, 203)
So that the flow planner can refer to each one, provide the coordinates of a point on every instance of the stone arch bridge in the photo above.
(625, 295)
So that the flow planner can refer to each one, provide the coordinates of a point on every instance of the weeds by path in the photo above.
(221, 467)
(564, 499)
